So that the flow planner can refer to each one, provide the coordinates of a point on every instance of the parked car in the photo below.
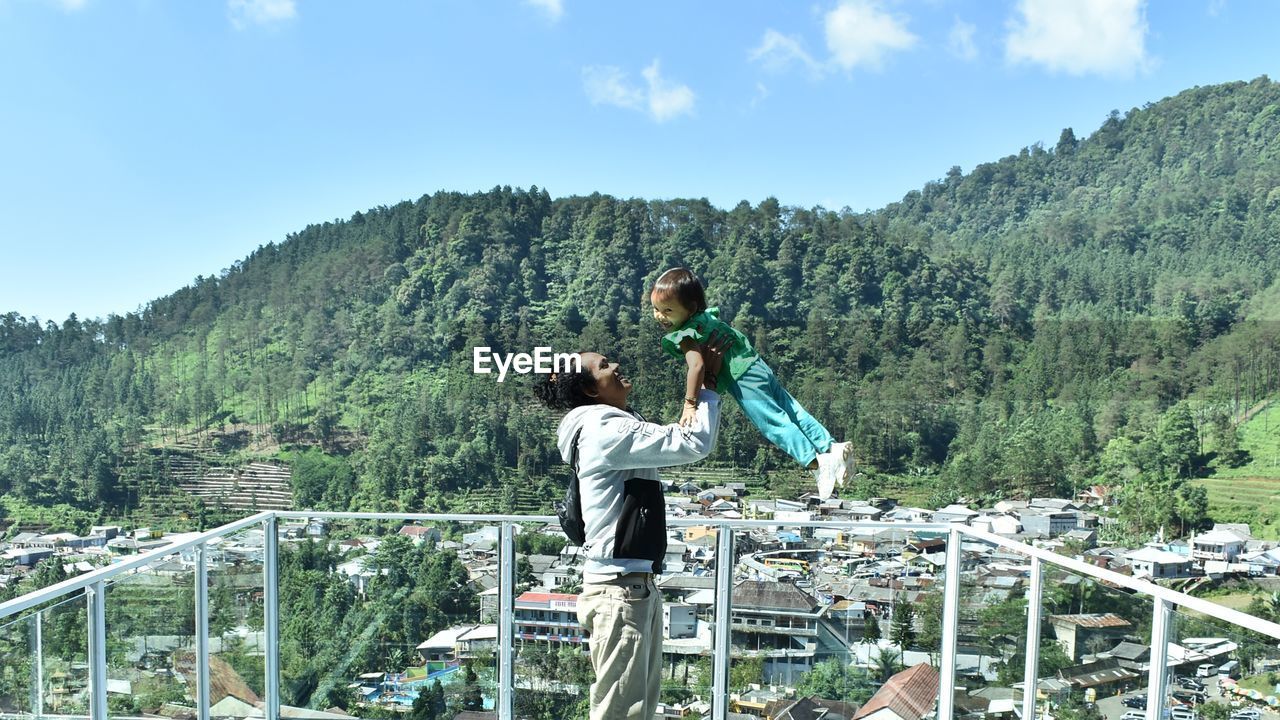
(1247, 714)
(1182, 713)
(1206, 670)
(1136, 701)
(1189, 696)
(1134, 715)
(1189, 683)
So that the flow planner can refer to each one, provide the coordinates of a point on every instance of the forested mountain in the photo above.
(1092, 312)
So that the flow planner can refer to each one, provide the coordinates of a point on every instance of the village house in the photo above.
(1076, 633)
(1105, 677)
(1130, 655)
(548, 617)
(778, 622)
(1217, 545)
(954, 514)
(909, 695)
(1047, 523)
(1083, 538)
(420, 534)
(863, 512)
(809, 708)
(443, 646)
(1155, 563)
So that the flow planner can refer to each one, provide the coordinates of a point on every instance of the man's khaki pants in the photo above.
(623, 619)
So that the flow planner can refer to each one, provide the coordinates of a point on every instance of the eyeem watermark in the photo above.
(542, 362)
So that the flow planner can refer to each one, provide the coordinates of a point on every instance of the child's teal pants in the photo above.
(778, 416)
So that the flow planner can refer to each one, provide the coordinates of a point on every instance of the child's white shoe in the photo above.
(826, 474)
(842, 454)
(841, 458)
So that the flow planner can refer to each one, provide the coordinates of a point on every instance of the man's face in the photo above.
(612, 387)
(668, 311)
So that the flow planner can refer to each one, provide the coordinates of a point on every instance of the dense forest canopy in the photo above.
(1102, 311)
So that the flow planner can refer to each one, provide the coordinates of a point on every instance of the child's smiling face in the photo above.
(668, 311)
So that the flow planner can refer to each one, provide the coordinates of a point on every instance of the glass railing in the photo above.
(332, 615)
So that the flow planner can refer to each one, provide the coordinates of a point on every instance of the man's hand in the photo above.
(713, 351)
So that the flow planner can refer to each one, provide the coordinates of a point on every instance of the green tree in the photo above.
(744, 672)
(902, 630)
(871, 629)
(1215, 711)
(472, 699)
(1226, 443)
(930, 616)
(835, 680)
(1179, 441)
(524, 573)
(1052, 659)
(886, 663)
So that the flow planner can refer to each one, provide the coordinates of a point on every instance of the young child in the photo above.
(680, 307)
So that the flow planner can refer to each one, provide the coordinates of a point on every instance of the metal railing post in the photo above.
(1031, 671)
(96, 594)
(506, 621)
(202, 631)
(724, 618)
(271, 613)
(37, 667)
(1158, 674)
(950, 625)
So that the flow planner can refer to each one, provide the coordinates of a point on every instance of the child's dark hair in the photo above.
(566, 391)
(681, 284)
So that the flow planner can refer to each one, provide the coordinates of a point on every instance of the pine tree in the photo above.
(902, 629)
(871, 629)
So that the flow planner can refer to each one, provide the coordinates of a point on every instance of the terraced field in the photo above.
(1255, 500)
(1252, 493)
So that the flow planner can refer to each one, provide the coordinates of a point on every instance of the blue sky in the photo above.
(144, 142)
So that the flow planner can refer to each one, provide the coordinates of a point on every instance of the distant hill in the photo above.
(1166, 205)
(1044, 321)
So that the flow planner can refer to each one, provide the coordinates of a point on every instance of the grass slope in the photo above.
(1251, 493)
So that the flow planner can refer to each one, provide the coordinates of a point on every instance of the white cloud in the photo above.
(960, 40)
(666, 99)
(777, 52)
(861, 33)
(1081, 37)
(663, 99)
(608, 85)
(260, 12)
(553, 8)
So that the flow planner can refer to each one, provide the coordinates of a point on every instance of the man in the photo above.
(618, 455)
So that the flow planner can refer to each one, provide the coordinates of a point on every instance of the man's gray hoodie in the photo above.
(618, 459)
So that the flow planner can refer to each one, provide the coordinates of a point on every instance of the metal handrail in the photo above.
(80, 582)
(1200, 605)
(1165, 600)
(686, 521)
(1235, 617)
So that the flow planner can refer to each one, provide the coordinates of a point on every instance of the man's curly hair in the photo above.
(566, 391)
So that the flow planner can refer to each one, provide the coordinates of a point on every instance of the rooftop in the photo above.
(1094, 620)
(911, 694)
(764, 594)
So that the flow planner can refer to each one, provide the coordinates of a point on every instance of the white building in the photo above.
(1220, 545)
(999, 524)
(1156, 563)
